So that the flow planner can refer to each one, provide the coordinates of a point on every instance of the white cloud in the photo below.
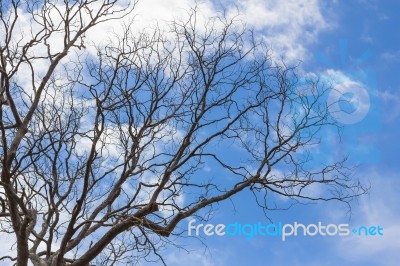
(391, 56)
(378, 209)
(200, 257)
(390, 105)
(288, 26)
(7, 248)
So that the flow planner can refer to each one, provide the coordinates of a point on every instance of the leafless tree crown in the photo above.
(106, 148)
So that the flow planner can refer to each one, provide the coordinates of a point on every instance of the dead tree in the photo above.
(103, 146)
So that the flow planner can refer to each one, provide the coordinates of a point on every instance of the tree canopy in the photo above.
(104, 146)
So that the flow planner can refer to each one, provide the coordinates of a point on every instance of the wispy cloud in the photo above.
(201, 257)
(391, 56)
(288, 26)
(390, 105)
(378, 209)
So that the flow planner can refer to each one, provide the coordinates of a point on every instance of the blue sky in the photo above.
(360, 40)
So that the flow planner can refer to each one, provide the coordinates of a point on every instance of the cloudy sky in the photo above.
(356, 44)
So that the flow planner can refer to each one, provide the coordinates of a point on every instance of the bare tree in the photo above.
(103, 146)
